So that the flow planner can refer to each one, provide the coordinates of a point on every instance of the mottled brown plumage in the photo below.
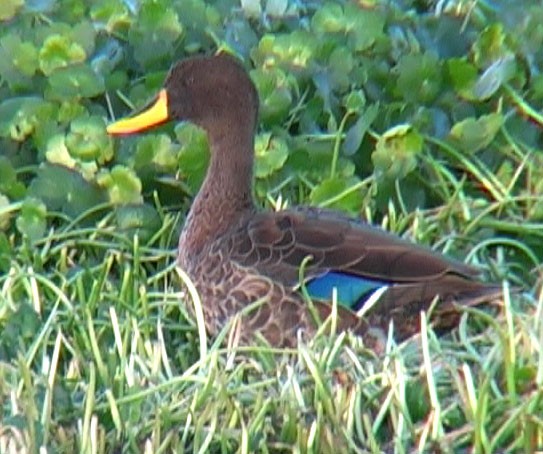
(236, 255)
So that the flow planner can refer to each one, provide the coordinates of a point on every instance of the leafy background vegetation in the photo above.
(422, 117)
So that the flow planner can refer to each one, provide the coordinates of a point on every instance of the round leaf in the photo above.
(475, 134)
(19, 116)
(87, 140)
(122, 184)
(155, 32)
(78, 81)
(194, 154)
(337, 193)
(65, 190)
(31, 220)
(271, 154)
(59, 51)
(395, 154)
(141, 219)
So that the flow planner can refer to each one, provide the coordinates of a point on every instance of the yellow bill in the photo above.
(154, 115)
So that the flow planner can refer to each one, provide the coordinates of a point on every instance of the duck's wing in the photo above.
(375, 274)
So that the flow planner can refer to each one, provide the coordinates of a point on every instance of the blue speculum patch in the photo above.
(352, 291)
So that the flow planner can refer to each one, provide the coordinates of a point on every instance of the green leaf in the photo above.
(155, 32)
(419, 78)
(20, 329)
(276, 8)
(294, 51)
(474, 134)
(329, 19)
(417, 399)
(19, 116)
(88, 141)
(72, 11)
(463, 75)
(18, 60)
(355, 101)
(9, 8)
(473, 87)
(525, 377)
(70, 110)
(85, 147)
(396, 151)
(62, 189)
(110, 15)
(122, 184)
(58, 51)
(199, 14)
(313, 159)
(31, 220)
(156, 150)
(498, 73)
(490, 46)
(194, 154)
(336, 193)
(57, 152)
(78, 81)
(84, 35)
(251, 8)
(357, 131)
(271, 154)
(5, 214)
(340, 65)
(141, 219)
(9, 185)
(275, 94)
(5, 253)
(364, 26)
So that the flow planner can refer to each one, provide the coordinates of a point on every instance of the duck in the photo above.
(284, 272)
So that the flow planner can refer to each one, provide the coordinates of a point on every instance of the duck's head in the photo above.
(215, 93)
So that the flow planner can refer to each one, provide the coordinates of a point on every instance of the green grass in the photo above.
(108, 358)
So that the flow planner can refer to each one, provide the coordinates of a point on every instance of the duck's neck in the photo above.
(225, 195)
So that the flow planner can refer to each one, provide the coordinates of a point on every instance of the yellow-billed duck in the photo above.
(237, 255)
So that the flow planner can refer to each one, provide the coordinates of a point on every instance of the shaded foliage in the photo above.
(420, 116)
